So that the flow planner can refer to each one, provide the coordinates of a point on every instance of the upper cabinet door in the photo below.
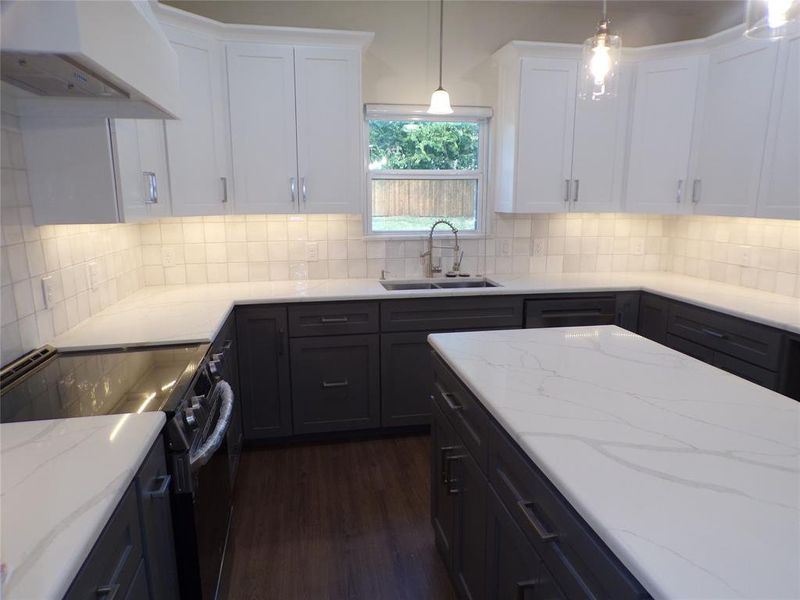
(199, 180)
(661, 136)
(545, 123)
(598, 155)
(780, 185)
(153, 163)
(734, 127)
(330, 164)
(263, 133)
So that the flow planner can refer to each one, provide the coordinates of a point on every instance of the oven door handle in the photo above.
(214, 441)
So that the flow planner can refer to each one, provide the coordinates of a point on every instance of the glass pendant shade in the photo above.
(772, 19)
(440, 103)
(599, 77)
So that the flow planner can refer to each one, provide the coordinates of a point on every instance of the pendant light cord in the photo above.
(605, 10)
(441, 38)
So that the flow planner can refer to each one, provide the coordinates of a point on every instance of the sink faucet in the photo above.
(429, 268)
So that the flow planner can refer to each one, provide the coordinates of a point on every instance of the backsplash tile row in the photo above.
(63, 252)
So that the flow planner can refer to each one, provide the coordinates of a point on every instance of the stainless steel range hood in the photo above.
(86, 58)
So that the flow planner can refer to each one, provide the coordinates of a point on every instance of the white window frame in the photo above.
(415, 112)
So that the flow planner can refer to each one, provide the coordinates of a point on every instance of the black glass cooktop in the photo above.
(52, 385)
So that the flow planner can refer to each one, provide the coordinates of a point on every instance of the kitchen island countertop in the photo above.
(690, 475)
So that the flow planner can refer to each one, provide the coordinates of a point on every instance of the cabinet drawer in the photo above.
(462, 409)
(653, 314)
(567, 312)
(438, 314)
(759, 375)
(335, 383)
(690, 348)
(583, 566)
(744, 340)
(113, 562)
(333, 318)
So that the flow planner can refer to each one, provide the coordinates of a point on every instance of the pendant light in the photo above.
(600, 65)
(440, 99)
(772, 19)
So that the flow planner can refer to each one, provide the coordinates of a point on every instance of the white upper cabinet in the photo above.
(196, 143)
(553, 152)
(263, 133)
(295, 128)
(780, 176)
(733, 129)
(598, 153)
(661, 135)
(330, 162)
(545, 125)
(95, 170)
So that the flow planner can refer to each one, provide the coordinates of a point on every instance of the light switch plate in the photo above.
(505, 247)
(637, 246)
(168, 256)
(312, 251)
(538, 248)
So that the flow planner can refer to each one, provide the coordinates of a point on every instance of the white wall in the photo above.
(401, 65)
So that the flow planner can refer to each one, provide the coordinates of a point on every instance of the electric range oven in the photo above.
(185, 383)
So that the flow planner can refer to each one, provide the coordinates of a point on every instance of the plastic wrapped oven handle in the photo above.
(214, 441)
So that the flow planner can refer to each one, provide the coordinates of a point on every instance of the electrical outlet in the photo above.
(312, 251)
(48, 290)
(745, 256)
(538, 247)
(168, 256)
(637, 246)
(505, 247)
(93, 274)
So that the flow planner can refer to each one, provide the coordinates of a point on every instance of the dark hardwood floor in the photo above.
(337, 520)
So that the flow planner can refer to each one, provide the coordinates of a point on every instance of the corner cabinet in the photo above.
(661, 135)
(733, 130)
(296, 128)
(197, 142)
(555, 152)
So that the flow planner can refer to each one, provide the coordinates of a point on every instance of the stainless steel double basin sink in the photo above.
(437, 284)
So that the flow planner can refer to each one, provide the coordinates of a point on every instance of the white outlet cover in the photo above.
(538, 248)
(168, 257)
(312, 251)
(637, 247)
(48, 290)
(93, 274)
(505, 247)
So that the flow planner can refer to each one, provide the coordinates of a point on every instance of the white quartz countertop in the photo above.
(195, 313)
(690, 475)
(61, 481)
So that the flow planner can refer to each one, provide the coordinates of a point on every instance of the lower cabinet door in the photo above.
(406, 379)
(335, 383)
(469, 485)
(138, 589)
(153, 489)
(263, 359)
(513, 568)
(653, 316)
(444, 446)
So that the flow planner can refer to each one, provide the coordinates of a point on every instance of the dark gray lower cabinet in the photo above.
(507, 532)
(513, 568)
(263, 354)
(572, 310)
(335, 383)
(406, 379)
(653, 315)
(134, 557)
(153, 489)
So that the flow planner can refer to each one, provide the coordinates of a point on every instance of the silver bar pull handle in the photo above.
(303, 189)
(224, 189)
(335, 384)
(162, 491)
(577, 190)
(151, 187)
(680, 191)
(697, 189)
(566, 189)
(293, 188)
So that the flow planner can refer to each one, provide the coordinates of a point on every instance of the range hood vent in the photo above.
(55, 75)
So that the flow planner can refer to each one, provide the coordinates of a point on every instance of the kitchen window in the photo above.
(422, 168)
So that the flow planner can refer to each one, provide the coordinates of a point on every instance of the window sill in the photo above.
(407, 237)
